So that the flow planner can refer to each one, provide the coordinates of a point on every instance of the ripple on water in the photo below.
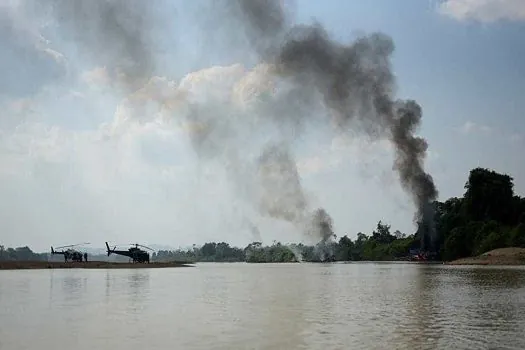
(242, 306)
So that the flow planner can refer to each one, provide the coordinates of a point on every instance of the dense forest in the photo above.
(488, 216)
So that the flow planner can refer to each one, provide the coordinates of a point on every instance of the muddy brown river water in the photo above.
(265, 306)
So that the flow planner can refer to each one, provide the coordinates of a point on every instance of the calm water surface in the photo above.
(282, 306)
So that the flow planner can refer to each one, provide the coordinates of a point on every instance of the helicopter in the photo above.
(135, 253)
(70, 254)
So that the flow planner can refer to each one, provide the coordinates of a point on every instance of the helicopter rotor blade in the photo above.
(140, 245)
(133, 245)
(120, 245)
(72, 245)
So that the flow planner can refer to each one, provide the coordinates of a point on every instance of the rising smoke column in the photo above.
(357, 85)
(282, 196)
(409, 163)
(233, 125)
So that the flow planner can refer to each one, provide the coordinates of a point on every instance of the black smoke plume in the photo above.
(357, 85)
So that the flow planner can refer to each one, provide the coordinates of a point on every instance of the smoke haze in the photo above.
(248, 120)
(119, 34)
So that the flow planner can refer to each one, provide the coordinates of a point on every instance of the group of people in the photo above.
(75, 256)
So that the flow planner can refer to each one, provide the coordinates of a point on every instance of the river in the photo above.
(265, 306)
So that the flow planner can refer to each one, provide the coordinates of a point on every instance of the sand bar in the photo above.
(24, 265)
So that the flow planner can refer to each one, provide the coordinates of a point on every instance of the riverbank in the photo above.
(502, 256)
(25, 265)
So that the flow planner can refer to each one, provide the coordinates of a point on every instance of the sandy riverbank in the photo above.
(502, 256)
(21, 265)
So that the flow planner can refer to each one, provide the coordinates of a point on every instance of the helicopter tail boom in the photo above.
(107, 246)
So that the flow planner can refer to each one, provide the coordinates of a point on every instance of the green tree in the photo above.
(209, 249)
(344, 249)
(382, 233)
(489, 196)
(517, 236)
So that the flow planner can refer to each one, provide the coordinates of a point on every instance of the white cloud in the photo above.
(55, 55)
(471, 127)
(76, 94)
(21, 105)
(56, 181)
(97, 76)
(484, 10)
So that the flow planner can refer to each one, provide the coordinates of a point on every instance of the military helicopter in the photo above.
(135, 253)
(70, 254)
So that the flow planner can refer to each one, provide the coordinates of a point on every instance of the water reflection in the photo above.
(107, 281)
(266, 311)
(71, 286)
(127, 290)
(281, 305)
(23, 287)
(134, 281)
(496, 298)
(327, 323)
(242, 306)
(419, 328)
(483, 278)
(51, 286)
(138, 289)
(74, 288)
(138, 281)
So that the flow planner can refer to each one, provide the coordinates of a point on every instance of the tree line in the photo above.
(20, 254)
(489, 215)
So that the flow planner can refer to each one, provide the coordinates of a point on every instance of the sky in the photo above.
(92, 150)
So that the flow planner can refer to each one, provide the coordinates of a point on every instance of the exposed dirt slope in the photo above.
(502, 256)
